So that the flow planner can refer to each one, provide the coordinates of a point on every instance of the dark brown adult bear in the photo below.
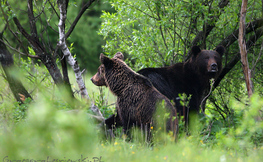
(137, 99)
(191, 77)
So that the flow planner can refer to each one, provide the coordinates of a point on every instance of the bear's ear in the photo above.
(220, 50)
(104, 59)
(195, 50)
(119, 55)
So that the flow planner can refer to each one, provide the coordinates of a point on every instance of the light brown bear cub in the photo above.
(137, 99)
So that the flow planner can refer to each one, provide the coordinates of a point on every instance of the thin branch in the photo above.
(236, 58)
(14, 49)
(164, 41)
(258, 58)
(176, 33)
(251, 26)
(149, 7)
(227, 68)
(53, 8)
(218, 109)
(9, 28)
(200, 36)
(156, 47)
(21, 29)
(174, 30)
(73, 25)
(160, 27)
(140, 10)
(31, 17)
(41, 11)
(34, 42)
(50, 18)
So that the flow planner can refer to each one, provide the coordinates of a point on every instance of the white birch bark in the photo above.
(72, 62)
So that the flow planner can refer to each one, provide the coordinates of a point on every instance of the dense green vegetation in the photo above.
(48, 132)
(54, 126)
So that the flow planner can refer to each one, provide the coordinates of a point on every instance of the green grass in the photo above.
(55, 134)
(47, 131)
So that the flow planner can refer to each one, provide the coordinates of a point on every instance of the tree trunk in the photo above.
(7, 62)
(243, 50)
(72, 62)
(229, 66)
(64, 67)
(40, 51)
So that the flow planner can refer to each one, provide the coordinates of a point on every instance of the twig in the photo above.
(211, 86)
(12, 48)
(83, 9)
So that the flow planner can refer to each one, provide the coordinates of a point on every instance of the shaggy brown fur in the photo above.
(137, 99)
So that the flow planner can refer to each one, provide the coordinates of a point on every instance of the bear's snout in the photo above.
(98, 80)
(214, 67)
(93, 81)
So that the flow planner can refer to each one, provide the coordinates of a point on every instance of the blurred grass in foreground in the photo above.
(48, 132)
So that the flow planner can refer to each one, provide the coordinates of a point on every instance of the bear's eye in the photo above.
(102, 69)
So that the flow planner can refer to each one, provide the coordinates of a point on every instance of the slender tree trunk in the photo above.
(38, 46)
(7, 62)
(72, 62)
(243, 50)
(62, 45)
(64, 67)
(40, 51)
(258, 32)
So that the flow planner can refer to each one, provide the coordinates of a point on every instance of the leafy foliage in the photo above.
(161, 33)
(102, 101)
(150, 34)
(20, 110)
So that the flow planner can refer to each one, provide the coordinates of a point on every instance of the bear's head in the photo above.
(207, 62)
(118, 76)
(99, 79)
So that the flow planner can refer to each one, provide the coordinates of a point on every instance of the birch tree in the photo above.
(36, 34)
(62, 5)
(19, 91)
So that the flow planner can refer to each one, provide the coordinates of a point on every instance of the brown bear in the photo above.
(137, 99)
(192, 77)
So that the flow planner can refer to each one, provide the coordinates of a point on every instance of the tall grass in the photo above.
(48, 132)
